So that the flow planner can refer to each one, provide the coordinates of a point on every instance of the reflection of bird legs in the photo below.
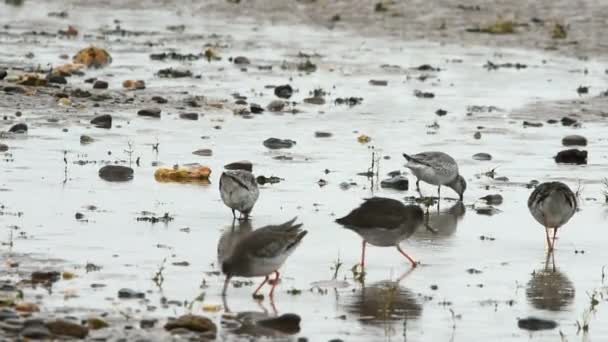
(427, 225)
(274, 308)
(225, 303)
(550, 257)
(404, 275)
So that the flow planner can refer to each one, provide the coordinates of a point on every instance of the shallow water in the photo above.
(486, 305)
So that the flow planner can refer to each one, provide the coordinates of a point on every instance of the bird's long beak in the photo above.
(226, 282)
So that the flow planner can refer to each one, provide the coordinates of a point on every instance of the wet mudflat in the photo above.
(157, 242)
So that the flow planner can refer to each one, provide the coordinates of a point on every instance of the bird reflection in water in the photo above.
(440, 223)
(229, 238)
(384, 303)
(550, 289)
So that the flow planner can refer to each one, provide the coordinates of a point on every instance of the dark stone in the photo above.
(3, 148)
(188, 116)
(36, 331)
(396, 182)
(276, 106)
(203, 152)
(240, 165)
(383, 83)
(492, 199)
(261, 180)
(14, 89)
(130, 294)
(532, 124)
(193, 323)
(441, 112)
(80, 93)
(150, 112)
(482, 156)
(535, 324)
(256, 108)
(45, 276)
(574, 140)
(174, 73)
(7, 314)
(67, 328)
(85, 139)
(79, 216)
(283, 91)
(3, 74)
(274, 143)
(286, 323)
(99, 84)
(552, 121)
(477, 135)
(18, 128)
(566, 121)
(241, 60)
(320, 134)
(572, 156)
(147, 323)
(316, 100)
(159, 99)
(116, 173)
(57, 79)
(241, 102)
(102, 121)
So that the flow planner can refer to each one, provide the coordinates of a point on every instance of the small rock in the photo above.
(482, 156)
(477, 135)
(276, 106)
(102, 121)
(274, 143)
(492, 199)
(261, 180)
(3, 148)
(79, 216)
(193, 323)
(383, 83)
(159, 99)
(150, 112)
(67, 328)
(321, 134)
(174, 73)
(574, 140)
(487, 211)
(45, 276)
(116, 173)
(534, 324)
(240, 165)
(533, 124)
(315, 100)
(99, 84)
(283, 91)
(130, 294)
(3, 74)
(85, 139)
(256, 108)
(18, 128)
(566, 121)
(441, 112)
(188, 116)
(396, 182)
(203, 152)
(36, 331)
(57, 79)
(572, 156)
(241, 60)
(95, 323)
(473, 271)
(286, 323)
(147, 323)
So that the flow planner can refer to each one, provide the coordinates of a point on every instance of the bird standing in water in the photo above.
(552, 204)
(436, 168)
(239, 191)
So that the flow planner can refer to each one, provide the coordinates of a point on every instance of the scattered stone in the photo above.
(240, 165)
(7, 314)
(47, 277)
(174, 73)
(155, 219)
(321, 134)
(92, 57)
(582, 90)
(261, 180)
(396, 182)
(482, 156)
(159, 99)
(477, 135)
(85, 139)
(3, 147)
(495, 199)
(283, 91)
(423, 94)
(130, 294)
(441, 112)
(193, 323)
(241, 60)
(175, 56)
(276, 106)
(18, 128)
(316, 100)
(473, 271)
(95, 323)
(203, 152)
(80, 93)
(256, 108)
(150, 112)
(378, 82)
(307, 66)
(535, 324)
(532, 124)
(286, 323)
(147, 323)
(487, 211)
(495, 66)
(188, 116)
(3, 74)
(572, 156)
(100, 85)
(102, 121)
(57, 79)
(134, 84)
(349, 101)
(275, 143)
(574, 140)
(116, 173)
(36, 330)
(79, 216)
(566, 121)
(67, 328)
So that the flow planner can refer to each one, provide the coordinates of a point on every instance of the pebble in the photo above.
(100, 85)
(3, 147)
(315, 100)
(566, 121)
(45, 276)
(283, 91)
(188, 116)
(382, 83)
(3, 74)
(116, 173)
(321, 134)
(276, 106)
(129, 294)
(102, 121)
(203, 152)
(96, 323)
(7, 314)
(36, 331)
(241, 60)
(150, 112)
(192, 323)
(57, 79)
(574, 140)
(256, 108)
(159, 99)
(287, 323)
(18, 128)
(572, 156)
(487, 211)
(67, 328)
(441, 112)
(275, 143)
(532, 124)
(477, 135)
(482, 156)
(174, 73)
(240, 165)
(85, 139)
(397, 182)
(495, 199)
(534, 324)
(147, 323)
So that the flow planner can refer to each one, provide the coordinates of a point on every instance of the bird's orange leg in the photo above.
(414, 263)
(274, 283)
(255, 293)
(363, 255)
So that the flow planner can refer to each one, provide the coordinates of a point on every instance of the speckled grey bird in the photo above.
(436, 168)
(552, 204)
(383, 222)
(262, 253)
(239, 191)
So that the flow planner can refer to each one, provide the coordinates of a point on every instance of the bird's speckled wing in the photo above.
(439, 161)
(271, 241)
